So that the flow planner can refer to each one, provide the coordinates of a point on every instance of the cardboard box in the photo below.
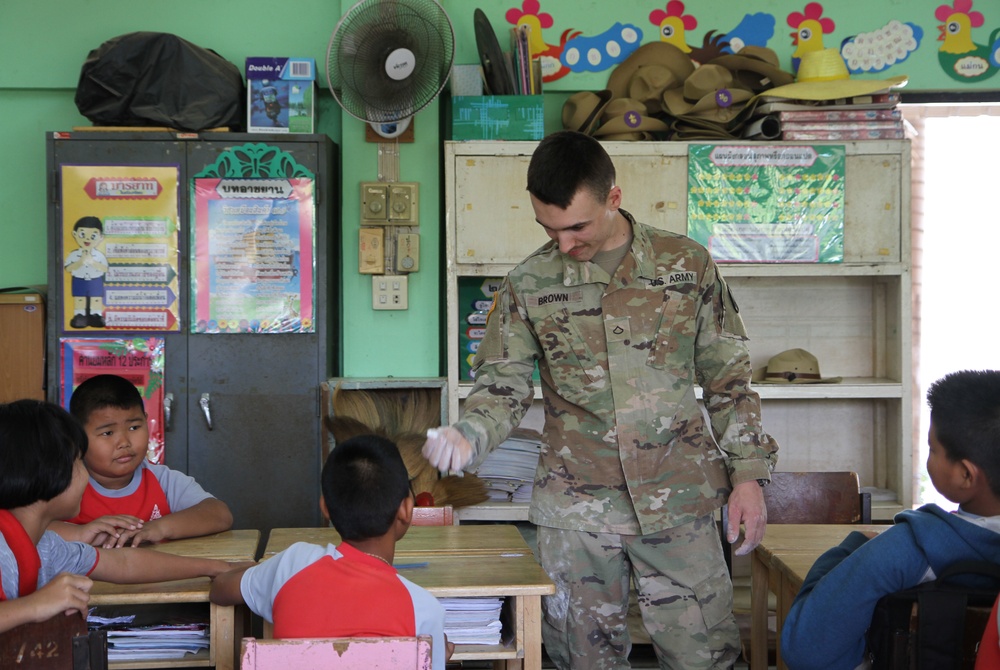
(497, 117)
(280, 95)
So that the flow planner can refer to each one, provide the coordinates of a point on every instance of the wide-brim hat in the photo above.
(652, 53)
(648, 84)
(625, 115)
(823, 75)
(582, 110)
(710, 92)
(756, 68)
(794, 366)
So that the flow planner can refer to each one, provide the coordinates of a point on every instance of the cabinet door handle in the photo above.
(168, 407)
(206, 408)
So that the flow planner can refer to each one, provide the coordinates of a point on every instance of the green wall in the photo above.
(43, 44)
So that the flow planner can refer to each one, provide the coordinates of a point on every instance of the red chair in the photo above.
(344, 653)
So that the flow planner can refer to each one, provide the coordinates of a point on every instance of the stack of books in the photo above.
(472, 620)
(509, 470)
(865, 117)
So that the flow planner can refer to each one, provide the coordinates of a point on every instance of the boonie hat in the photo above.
(627, 116)
(652, 53)
(711, 92)
(755, 68)
(794, 366)
(823, 75)
(582, 110)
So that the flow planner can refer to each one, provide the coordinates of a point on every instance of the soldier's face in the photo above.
(587, 226)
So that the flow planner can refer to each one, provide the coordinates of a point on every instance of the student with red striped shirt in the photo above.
(128, 500)
(352, 589)
(42, 478)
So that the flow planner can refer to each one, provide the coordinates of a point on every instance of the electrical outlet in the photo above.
(371, 250)
(389, 292)
(407, 252)
(374, 203)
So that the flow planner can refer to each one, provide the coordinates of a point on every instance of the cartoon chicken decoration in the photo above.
(531, 15)
(961, 58)
(810, 25)
(673, 25)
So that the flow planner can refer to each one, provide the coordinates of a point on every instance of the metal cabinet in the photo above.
(260, 450)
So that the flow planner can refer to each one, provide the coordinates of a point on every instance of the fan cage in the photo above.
(365, 37)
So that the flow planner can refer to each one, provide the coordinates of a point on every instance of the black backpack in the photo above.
(936, 625)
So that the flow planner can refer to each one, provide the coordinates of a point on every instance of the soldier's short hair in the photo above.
(566, 161)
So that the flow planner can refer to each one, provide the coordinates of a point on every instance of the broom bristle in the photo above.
(459, 491)
(345, 427)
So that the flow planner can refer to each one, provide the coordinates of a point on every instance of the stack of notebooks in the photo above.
(472, 620)
(509, 470)
(865, 117)
(130, 642)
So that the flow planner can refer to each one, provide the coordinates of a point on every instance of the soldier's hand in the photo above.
(447, 449)
(746, 506)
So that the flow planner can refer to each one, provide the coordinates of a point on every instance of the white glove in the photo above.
(447, 449)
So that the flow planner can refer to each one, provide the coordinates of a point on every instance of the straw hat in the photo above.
(653, 53)
(823, 75)
(625, 115)
(710, 92)
(795, 366)
(756, 68)
(582, 110)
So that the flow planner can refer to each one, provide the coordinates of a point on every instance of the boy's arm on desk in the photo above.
(207, 517)
(128, 565)
(226, 588)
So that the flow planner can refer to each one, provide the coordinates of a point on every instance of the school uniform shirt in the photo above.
(309, 590)
(54, 554)
(155, 491)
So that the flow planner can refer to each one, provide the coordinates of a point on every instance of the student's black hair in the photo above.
(965, 411)
(39, 445)
(88, 222)
(566, 161)
(103, 391)
(364, 481)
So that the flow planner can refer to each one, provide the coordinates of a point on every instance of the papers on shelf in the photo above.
(472, 620)
(129, 640)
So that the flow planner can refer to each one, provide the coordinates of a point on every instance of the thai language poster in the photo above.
(139, 360)
(119, 248)
(759, 204)
(253, 248)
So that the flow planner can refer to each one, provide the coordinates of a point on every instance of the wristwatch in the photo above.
(763, 482)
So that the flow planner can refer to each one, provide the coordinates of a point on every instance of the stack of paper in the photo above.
(472, 620)
(509, 470)
(129, 641)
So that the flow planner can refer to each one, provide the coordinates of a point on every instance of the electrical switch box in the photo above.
(389, 292)
(407, 252)
(371, 250)
(374, 203)
(403, 203)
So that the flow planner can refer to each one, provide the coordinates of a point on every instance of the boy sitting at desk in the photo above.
(128, 499)
(826, 625)
(42, 478)
(351, 590)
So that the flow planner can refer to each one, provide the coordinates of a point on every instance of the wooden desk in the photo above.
(779, 565)
(225, 623)
(419, 541)
(466, 561)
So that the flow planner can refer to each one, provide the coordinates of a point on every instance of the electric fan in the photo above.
(388, 59)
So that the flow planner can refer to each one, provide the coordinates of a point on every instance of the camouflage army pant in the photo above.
(684, 593)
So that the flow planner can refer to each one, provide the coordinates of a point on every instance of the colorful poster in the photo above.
(139, 360)
(253, 247)
(767, 204)
(119, 248)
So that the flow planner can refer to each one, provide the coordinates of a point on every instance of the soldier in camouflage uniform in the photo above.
(623, 320)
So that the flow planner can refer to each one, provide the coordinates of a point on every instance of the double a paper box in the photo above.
(280, 95)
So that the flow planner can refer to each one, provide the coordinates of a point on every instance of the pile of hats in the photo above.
(659, 93)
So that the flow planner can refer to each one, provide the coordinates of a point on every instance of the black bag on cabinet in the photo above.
(159, 79)
(936, 625)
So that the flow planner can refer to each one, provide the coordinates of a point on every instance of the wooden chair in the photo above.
(60, 643)
(798, 497)
(443, 515)
(345, 653)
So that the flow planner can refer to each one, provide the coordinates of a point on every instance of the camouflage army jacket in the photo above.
(626, 448)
